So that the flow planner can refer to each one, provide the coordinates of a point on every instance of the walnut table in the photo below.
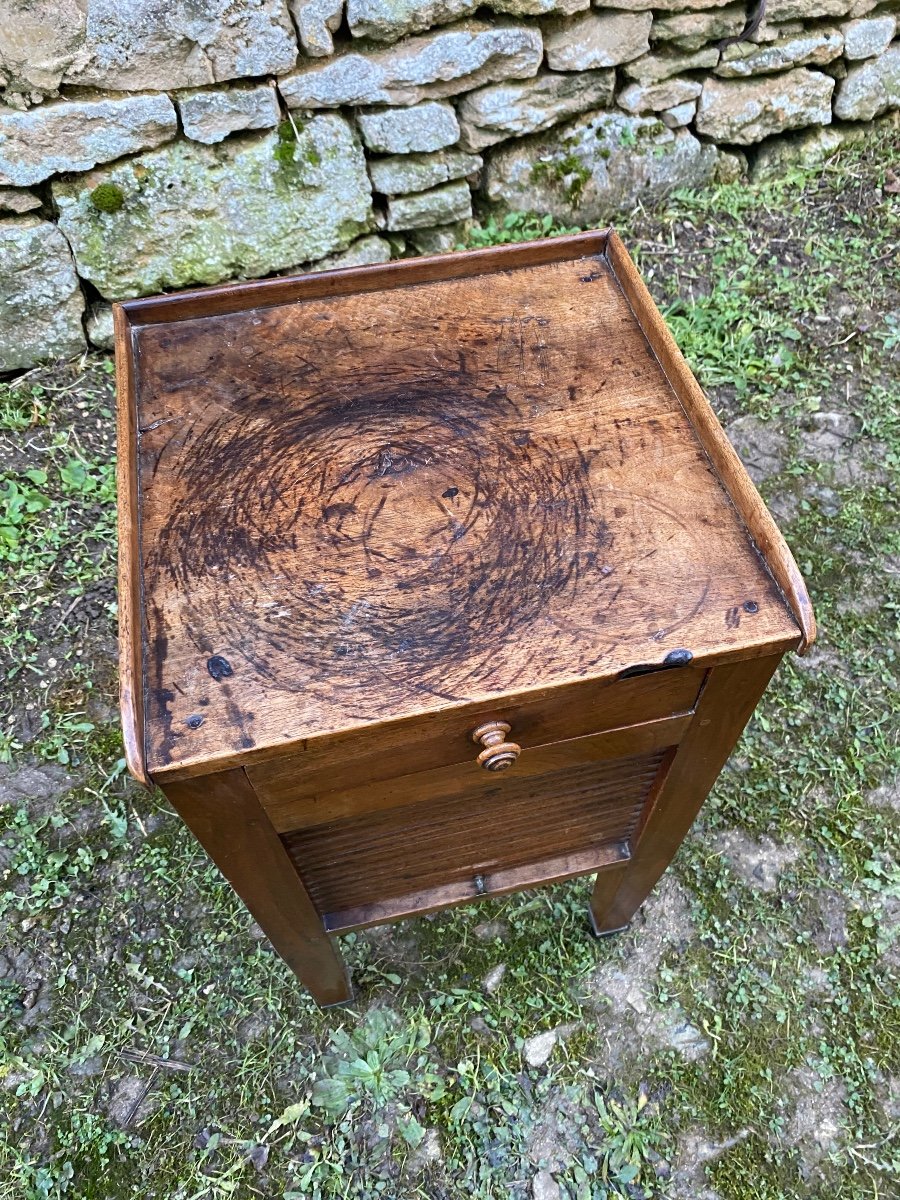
(438, 580)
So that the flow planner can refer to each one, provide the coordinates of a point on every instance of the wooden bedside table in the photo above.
(438, 579)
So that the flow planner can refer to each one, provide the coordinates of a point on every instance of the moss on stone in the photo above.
(107, 197)
(569, 172)
(350, 229)
(652, 130)
(172, 231)
(294, 153)
(286, 146)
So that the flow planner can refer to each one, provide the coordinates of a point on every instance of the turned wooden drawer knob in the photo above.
(497, 754)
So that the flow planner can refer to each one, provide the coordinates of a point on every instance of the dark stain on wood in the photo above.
(219, 667)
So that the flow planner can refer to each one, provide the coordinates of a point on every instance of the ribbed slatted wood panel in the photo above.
(388, 854)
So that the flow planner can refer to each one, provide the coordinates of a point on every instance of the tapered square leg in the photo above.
(729, 696)
(606, 885)
(225, 815)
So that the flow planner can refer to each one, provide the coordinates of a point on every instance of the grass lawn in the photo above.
(740, 1041)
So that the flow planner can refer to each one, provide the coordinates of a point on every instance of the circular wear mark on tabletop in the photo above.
(411, 537)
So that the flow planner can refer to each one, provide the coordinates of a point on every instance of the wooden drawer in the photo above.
(366, 757)
(295, 810)
(453, 846)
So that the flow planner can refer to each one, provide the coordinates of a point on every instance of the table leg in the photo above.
(225, 815)
(729, 696)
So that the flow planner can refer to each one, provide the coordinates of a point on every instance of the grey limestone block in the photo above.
(592, 39)
(133, 45)
(440, 206)
(654, 97)
(194, 214)
(431, 125)
(75, 135)
(442, 63)
(679, 115)
(100, 326)
(390, 20)
(809, 48)
(362, 253)
(744, 111)
(317, 21)
(41, 302)
(653, 68)
(440, 239)
(18, 200)
(211, 115)
(141, 45)
(500, 111)
(404, 173)
(868, 38)
(871, 87)
(587, 171)
(694, 30)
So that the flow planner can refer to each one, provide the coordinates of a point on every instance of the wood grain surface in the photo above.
(357, 508)
(747, 500)
(610, 857)
(230, 298)
(131, 621)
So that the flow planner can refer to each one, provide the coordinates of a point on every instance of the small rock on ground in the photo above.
(829, 931)
(760, 445)
(628, 1019)
(537, 1049)
(130, 1102)
(816, 1124)
(695, 1149)
(887, 796)
(494, 978)
(32, 782)
(489, 931)
(544, 1187)
(427, 1154)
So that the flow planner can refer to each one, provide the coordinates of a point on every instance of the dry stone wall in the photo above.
(148, 145)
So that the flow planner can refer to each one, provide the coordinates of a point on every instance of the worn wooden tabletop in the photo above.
(355, 508)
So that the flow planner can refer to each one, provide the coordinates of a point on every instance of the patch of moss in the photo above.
(569, 172)
(350, 229)
(107, 197)
(286, 146)
(645, 132)
(292, 153)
